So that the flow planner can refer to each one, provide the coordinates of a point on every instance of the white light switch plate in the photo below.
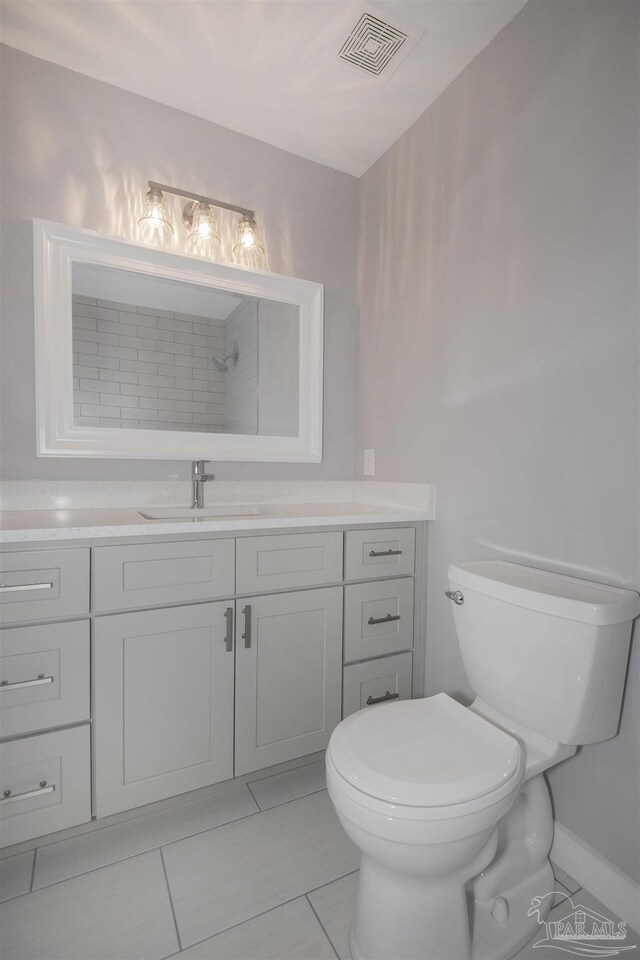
(369, 463)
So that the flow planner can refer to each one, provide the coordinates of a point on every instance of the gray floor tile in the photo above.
(563, 877)
(121, 911)
(290, 932)
(536, 950)
(68, 858)
(271, 791)
(15, 875)
(136, 812)
(335, 904)
(238, 871)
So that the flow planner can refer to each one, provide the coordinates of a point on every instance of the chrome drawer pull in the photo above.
(455, 595)
(229, 637)
(388, 696)
(40, 585)
(8, 797)
(19, 684)
(385, 553)
(388, 619)
(246, 636)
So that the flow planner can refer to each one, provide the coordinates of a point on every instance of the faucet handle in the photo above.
(197, 471)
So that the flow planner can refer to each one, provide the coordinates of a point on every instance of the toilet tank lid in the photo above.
(546, 592)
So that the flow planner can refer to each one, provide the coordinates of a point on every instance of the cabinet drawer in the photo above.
(154, 574)
(49, 780)
(379, 553)
(44, 676)
(376, 680)
(43, 584)
(297, 560)
(378, 618)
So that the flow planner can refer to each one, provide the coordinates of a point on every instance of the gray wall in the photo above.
(80, 152)
(499, 337)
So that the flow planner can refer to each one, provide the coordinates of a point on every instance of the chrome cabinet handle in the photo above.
(229, 636)
(388, 696)
(20, 684)
(455, 595)
(385, 553)
(388, 619)
(246, 636)
(15, 588)
(9, 797)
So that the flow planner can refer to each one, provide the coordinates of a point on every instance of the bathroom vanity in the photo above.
(135, 668)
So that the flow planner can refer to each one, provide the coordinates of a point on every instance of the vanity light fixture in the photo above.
(199, 218)
(154, 225)
(248, 239)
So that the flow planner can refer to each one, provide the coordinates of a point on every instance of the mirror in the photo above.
(156, 354)
(148, 354)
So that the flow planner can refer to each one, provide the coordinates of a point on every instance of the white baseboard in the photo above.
(600, 877)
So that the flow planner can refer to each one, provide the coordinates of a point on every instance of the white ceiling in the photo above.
(267, 68)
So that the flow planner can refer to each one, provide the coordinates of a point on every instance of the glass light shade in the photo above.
(248, 239)
(203, 237)
(154, 226)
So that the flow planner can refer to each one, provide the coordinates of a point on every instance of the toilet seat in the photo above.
(430, 754)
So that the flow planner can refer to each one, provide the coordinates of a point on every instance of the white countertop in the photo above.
(90, 522)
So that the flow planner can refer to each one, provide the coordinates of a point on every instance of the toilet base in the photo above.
(520, 871)
(430, 917)
(416, 917)
(495, 940)
(456, 916)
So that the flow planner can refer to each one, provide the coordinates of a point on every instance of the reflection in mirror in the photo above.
(152, 353)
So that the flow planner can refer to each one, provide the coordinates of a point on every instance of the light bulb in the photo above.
(248, 239)
(154, 225)
(203, 236)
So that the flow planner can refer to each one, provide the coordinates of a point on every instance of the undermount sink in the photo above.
(200, 513)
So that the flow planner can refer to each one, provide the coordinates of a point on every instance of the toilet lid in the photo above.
(428, 752)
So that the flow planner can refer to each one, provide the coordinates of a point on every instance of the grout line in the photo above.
(140, 853)
(168, 843)
(561, 888)
(306, 896)
(281, 773)
(298, 896)
(302, 796)
(248, 786)
(173, 911)
(85, 873)
(33, 868)
(137, 813)
(329, 882)
(256, 813)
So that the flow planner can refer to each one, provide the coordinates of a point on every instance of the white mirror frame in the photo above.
(56, 249)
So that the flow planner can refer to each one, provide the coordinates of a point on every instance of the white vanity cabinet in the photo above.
(184, 661)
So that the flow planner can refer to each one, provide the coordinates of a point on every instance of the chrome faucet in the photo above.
(198, 478)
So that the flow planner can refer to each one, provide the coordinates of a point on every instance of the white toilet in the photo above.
(447, 803)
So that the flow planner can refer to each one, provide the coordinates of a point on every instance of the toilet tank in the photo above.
(546, 650)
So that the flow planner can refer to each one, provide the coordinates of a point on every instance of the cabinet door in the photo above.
(288, 675)
(163, 704)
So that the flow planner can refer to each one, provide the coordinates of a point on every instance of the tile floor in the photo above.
(256, 868)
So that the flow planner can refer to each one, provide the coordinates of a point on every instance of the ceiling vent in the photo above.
(377, 41)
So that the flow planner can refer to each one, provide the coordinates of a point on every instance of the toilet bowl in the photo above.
(420, 789)
(447, 803)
